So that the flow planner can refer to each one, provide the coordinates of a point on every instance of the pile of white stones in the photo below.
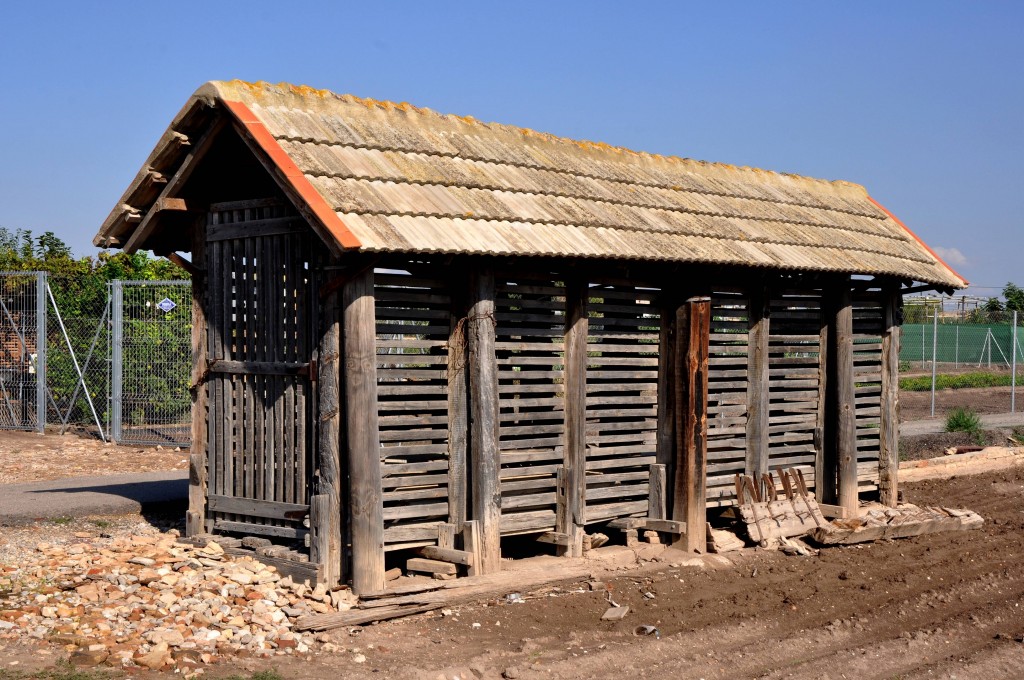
(148, 600)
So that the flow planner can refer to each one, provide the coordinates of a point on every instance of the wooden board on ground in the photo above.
(880, 522)
(449, 593)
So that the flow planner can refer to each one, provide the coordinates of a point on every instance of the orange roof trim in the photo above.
(293, 175)
(918, 239)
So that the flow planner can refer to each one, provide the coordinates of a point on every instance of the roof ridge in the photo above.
(308, 94)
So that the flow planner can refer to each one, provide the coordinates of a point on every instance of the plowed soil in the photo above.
(944, 605)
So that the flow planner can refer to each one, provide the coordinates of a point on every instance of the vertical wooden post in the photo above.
(325, 510)
(195, 519)
(485, 463)
(666, 438)
(572, 520)
(845, 400)
(889, 435)
(824, 486)
(693, 324)
(757, 382)
(458, 395)
(656, 498)
(362, 434)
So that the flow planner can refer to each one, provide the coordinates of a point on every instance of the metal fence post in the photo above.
(116, 359)
(1013, 368)
(956, 352)
(935, 344)
(41, 340)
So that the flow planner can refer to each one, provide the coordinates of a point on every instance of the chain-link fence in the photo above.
(970, 365)
(115, 362)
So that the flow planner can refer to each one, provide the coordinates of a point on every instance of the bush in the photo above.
(945, 381)
(965, 420)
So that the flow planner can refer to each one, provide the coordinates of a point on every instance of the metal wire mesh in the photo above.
(151, 361)
(77, 371)
(22, 323)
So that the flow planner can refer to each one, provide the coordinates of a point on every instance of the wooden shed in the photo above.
(420, 331)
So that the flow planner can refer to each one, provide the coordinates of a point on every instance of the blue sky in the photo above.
(922, 102)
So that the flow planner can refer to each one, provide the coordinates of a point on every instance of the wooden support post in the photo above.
(363, 436)
(666, 438)
(195, 519)
(570, 519)
(889, 439)
(693, 324)
(822, 449)
(757, 382)
(845, 401)
(656, 498)
(325, 510)
(485, 463)
(458, 395)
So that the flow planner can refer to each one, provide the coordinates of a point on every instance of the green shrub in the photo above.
(943, 381)
(965, 420)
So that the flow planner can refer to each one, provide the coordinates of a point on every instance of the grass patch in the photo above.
(65, 671)
(62, 671)
(965, 420)
(943, 381)
(61, 521)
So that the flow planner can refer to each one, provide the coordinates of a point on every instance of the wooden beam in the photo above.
(845, 400)
(366, 506)
(571, 518)
(181, 262)
(757, 381)
(666, 438)
(822, 449)
(693, 325)
(171, 204)
(889, 435)
(484, 462)
(325, 514)
(148, 225)
(195, 518)
(458, 398)
(656, 506)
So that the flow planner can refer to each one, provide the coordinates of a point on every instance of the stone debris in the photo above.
(148, 600)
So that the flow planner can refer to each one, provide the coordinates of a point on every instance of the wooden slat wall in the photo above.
(530, 318)
(868, 328)
(413, 326)
(622, 399)
(727, 393)
(793, 379)
(262, 301)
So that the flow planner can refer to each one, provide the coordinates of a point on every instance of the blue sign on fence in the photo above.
(166, 305)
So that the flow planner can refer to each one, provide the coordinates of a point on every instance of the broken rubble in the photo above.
(148, 600)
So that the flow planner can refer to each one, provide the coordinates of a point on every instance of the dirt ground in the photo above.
(917, 405)
(938, 606)
(944, 605)
(32, 457)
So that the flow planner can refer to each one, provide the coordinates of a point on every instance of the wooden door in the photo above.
(262, 333)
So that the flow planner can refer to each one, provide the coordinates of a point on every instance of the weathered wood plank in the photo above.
(195, 520)
(693, 322)
(572, 516)
(846, 437)
(888, 458)
(484, 423)
(366, 506)
(758, 382)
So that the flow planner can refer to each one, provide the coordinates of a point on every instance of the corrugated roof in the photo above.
(405, 179)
